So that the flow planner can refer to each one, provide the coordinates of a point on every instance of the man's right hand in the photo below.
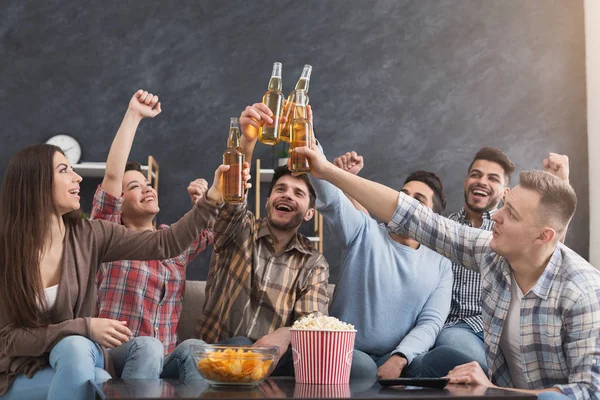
(109, 333)
(252, 118)
(144, 105)
(215, 193)
(350, 162)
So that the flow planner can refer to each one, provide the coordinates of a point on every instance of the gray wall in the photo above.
(409, 84)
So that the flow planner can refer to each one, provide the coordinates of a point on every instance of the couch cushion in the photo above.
(193, 301)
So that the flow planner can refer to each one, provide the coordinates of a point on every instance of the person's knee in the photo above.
(74, 349)
(187, 347)
(149, 348)
(363, 367)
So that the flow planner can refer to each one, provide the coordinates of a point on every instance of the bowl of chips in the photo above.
(234, 365)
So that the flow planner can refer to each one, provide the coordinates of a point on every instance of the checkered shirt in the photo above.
(560, 315)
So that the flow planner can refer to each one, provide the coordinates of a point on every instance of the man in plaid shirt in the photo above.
(541, 301)
(147, 295)
(264, 274)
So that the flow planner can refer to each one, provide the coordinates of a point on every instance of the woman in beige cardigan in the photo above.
(49, 344)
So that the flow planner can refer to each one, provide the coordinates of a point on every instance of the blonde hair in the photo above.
(558, 200)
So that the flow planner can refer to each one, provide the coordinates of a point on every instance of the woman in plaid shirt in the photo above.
(146, 294)
(541, 301)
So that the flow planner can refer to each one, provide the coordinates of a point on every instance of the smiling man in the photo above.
(540, 299)
(264, 274)
(486, 183)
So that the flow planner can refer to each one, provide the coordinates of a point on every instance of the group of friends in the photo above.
(488, 296)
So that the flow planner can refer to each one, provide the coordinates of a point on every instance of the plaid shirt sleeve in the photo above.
(234, 225)
(582, 347)
(462, 244)
(313, 297)
(106, 206)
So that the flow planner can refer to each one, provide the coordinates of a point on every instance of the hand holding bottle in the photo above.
(252, 118)
(215, 193)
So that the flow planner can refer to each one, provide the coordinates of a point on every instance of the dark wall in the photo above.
(410, 85)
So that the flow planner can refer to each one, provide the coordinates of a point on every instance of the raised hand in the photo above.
(196, 189)
(252, 118)
(109, 333)
(144, 105)
(557, 165)
(350, 162)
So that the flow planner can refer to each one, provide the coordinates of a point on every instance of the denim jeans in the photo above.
(180, 362)
(140, 358)
(454, 346)
(74, 362)
(552, 396)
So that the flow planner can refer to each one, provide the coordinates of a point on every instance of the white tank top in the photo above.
(51, 293)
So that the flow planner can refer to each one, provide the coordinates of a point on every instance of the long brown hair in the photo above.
(26, 206)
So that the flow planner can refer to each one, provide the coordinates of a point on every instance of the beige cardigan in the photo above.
(87, 245)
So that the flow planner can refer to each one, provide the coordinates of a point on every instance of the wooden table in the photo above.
(287, 388)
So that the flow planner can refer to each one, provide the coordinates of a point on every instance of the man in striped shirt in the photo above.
(487, 182)
(540, 300)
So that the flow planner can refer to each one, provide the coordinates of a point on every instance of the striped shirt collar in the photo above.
(486, 215)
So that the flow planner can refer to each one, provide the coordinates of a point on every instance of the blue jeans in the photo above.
(552, 396)
(466, 344)
(74, 362)
(140, 358)
(180, 363)
(364, 366)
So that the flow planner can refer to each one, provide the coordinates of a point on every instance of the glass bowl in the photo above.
(234, 365)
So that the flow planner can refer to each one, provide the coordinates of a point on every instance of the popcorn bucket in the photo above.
(307, 391)
(322, 356)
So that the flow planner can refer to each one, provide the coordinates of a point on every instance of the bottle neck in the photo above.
(275, 83)
(234, 138)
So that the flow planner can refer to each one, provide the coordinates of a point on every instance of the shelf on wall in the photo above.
(96, 169)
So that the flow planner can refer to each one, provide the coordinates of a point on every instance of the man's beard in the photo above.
(294, 223)
(491, 205)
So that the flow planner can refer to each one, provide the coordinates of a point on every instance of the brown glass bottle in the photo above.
(233, 183)
(300, 133)
(288, 109)
(273, 98)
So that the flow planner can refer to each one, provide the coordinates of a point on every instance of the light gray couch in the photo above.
(193, 301)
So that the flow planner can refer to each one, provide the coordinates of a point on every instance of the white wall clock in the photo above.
(68, 145)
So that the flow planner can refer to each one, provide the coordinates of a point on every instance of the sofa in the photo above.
(193, 301)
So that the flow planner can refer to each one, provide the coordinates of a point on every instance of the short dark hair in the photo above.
(434, 183)
(497, 156)
(133, 166)
(283, 171)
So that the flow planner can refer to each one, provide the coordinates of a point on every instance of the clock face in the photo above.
(68, 145)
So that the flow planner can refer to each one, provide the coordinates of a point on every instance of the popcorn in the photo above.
(319, 321)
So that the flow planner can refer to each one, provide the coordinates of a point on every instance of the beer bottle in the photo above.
(273, 98)
(233, 183)
(300, 132)
(288, 110)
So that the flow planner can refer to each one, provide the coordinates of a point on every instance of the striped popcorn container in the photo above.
(307, 391)
(322, 356)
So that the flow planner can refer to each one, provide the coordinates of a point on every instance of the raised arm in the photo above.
(352, 163)
(558, 165)
(405, 215)
(141, 105)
